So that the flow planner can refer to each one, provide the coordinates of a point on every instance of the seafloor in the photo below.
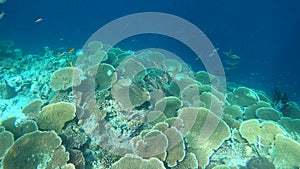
(103, 107)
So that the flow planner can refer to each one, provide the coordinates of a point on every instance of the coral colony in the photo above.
(121, 110)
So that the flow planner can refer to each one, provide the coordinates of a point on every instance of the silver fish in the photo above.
(2, 15)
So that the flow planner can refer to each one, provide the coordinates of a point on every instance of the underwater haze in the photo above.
(157, 84)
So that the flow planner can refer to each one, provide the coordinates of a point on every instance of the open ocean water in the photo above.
(254, 45)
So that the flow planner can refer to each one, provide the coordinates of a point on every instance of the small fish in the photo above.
(2, 15)
(38, 20)
(71, 64)
(61, 54)
(71, 50)
(214, 52)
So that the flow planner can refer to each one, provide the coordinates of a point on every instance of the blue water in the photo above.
(265, 34)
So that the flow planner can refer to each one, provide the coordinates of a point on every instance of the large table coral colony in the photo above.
(120, 109)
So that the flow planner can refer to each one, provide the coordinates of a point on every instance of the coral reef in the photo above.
(129, 162)
(54, 116)
(6, 140)
(34, 150)
(259, 163)
(65, 78)
(121, 109)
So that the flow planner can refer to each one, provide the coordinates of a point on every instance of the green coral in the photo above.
(268, 113)
(243, 96)
(33, 108)
(151, 143)
(129, 95)
(286, 152)
(190, 162)
(20, 128)
(54, 116)
(168, 105)
(203, 139)
(6, 140)
(65, 78)
(130, 162)
(176, 146)
(105, 76)
(250, 112)
(260, 134)
(35, 150)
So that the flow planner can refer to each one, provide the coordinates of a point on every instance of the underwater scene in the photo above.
(149, 84)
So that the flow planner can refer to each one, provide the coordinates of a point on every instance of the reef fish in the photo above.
(2, 15)
(232, 60)
(38, 20)
(71, 50)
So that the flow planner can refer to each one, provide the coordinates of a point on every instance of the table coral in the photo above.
(176, 147)
(105, 76)
(19, 128)
(65, 78)
(201, 139)
(168, 105)
(286, 152)
(54, 116)
(243, 96)
(267, 113)
(130, 162)
(260, 134)
(34, 150)
(6, 140)
(33, 108)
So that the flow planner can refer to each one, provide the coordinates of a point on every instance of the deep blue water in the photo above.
(265, 34)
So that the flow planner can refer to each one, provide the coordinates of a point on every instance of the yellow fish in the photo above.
(38, 20)
(71, 50)
(71, 64)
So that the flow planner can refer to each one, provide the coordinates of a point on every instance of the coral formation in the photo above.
(19, 128)
(35, 150)
(267, 113)
(54, 116)
(129, 162)
(286, 152)
(259, 163)
(6, 140)
(33, 108)
(243, 96)
(65, 78)
(260, 134)
(203, 141)
(137, 110)
(168, 105)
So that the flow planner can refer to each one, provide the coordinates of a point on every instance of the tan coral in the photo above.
(168, 105)
(105, 76)
(261, 135)
(65, 78)
(176, 147)
(286, 152)
(189, 162)
(204, 132)
(250, 112)
(129, 95)
(37, 147)
(267, 113)
(152, 143)
(6, 140)
(243, 96)
(130, 162)
(33, 108)
(54, 116)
